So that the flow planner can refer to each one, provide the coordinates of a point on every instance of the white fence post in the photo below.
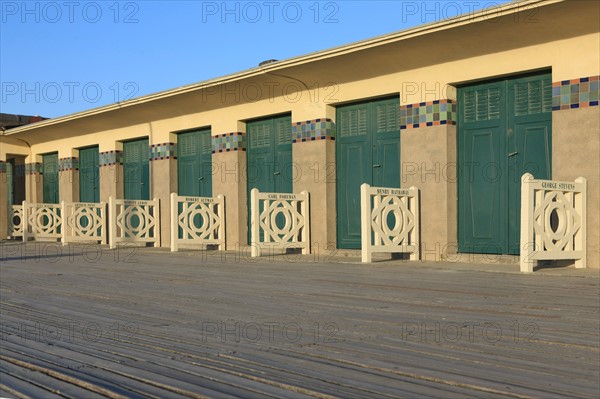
(305, 210)
(581, 239)
(25, 224)
(221, 211)
(376, 234)
(174, 223)
(254, 223)
(553, 221)
(157, 221)
(365, 222)
(104, 229)
(527, 243)
(112, 222)
(63, 210)
(416, 234)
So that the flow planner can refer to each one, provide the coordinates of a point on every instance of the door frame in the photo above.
(98, 171)
(199, 156)
(370, 138)
(147, 161)
(508, 116)
(274, 146)
(44, 182)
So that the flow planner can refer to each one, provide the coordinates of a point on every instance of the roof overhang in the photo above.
(277, 70)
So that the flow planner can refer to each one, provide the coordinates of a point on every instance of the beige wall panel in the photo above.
(575, 152)
(164, 182)
(34, 187)
(314, 163)
(425, 164)
(68, 185)
(229, 180)
(111, 182)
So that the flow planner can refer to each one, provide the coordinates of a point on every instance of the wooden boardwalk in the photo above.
(186, 325)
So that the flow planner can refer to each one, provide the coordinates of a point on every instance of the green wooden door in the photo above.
(529, 142)
(89, 175)
(50, 178)
(136, 170)
(269, 162)
(504, 131)
(194, 163)
(367, 151)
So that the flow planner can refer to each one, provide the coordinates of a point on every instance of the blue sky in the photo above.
(61, 57)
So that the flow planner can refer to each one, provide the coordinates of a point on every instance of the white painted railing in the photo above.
(16, 221)
(279, 221)
(42, 221)
(197, 221)
(377, 204)
(83, 222)
(553, 221)
(134, 221)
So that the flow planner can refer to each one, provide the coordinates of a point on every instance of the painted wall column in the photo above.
(576, 144)
(111, 171)
(3, 201)
(428, 162)
(163, 172)
(313, 157)
(229, 179)
(68, 175)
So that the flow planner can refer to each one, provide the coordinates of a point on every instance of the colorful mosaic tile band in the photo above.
(111, 158)
(163, 151)
(575, 93)
(65, 164)
(316, 129)
(234, 141)
(33, 168)
(431, 113)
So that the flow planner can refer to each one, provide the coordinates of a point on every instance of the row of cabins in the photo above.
(460, 109)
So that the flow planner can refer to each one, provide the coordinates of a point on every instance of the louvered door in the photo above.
(529, 142)
(136, 182)
(50, 178)
(269, 163)
(367, 151)
(504, 131)
(194, 163)
(89, 175)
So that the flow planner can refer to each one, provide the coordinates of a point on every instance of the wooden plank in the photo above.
(374, 310)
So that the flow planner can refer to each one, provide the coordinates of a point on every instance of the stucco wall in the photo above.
(575, 153)
(562, 37)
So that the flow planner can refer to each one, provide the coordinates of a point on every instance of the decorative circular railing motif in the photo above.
(45, 220)
(135, 221)
(556, 235)
(85, 221)
(275, 211)
(403, 217)
(199, 221)
(15, 221)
